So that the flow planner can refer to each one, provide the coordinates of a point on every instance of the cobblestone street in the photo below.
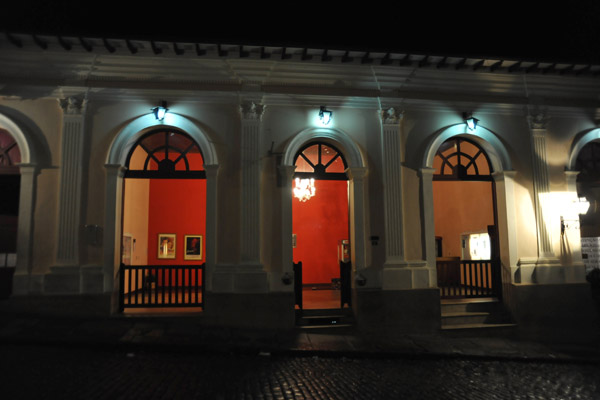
(82, 372)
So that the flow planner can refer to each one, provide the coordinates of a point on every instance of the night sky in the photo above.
(566, 32)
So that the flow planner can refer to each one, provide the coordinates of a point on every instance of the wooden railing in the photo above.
(465, 278)
(153, 286)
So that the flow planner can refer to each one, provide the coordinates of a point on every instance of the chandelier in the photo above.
(305, 189)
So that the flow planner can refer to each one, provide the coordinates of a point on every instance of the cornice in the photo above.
(190, 50)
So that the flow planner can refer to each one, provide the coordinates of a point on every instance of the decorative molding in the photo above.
(538, 121)
(391, 116)
(252, 111)
(73, 105)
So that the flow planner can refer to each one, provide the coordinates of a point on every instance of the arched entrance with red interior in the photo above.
(163, 248)
(320, 226)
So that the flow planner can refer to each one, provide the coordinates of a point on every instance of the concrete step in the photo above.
(324, 318)
(471, 305)
(464, 318)
(479, 330)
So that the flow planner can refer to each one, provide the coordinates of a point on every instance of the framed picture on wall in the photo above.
(193, 247)
(166, 245)
(126, 250)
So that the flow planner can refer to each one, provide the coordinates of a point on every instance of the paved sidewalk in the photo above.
(191, 333)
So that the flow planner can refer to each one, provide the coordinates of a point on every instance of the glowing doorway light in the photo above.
(325, 115)
(470, 121)
(160, 111)
(305, 189)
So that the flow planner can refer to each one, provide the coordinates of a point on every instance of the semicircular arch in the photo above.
(132, 132)
(335, 137)
(485, 138)
(584, 138)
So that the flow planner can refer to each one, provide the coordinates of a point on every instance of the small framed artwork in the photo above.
(127, 247)
(166, 245)
(193, 247)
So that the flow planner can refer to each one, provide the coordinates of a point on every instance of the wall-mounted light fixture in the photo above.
(580, 206)
(470, 121)
(325, 115)
(160, 111)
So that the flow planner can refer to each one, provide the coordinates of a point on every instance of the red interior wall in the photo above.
(176, 206)
(319, 224)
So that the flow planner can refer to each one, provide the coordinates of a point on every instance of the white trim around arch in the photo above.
(339, 139)
(578, 144)
(130, 134)
(484, 137)
(115, 168)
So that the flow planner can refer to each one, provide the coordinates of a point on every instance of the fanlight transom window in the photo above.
(165, 154)
(320, 161)
(461, 159)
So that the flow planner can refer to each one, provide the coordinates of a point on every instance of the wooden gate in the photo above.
(346, 283)
(298, 284)
(157, 286)
(468, 279)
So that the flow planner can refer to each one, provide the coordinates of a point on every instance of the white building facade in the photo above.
(77, 107)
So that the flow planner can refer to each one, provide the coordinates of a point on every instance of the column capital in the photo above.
(502, 175)
(391, 116)
(356, 173)
(426, 172)
(73, 105)
(252, 111)
(538, 121)
(212, 170)
(115, 169)
(285, 173)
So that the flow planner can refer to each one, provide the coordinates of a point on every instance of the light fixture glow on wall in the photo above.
(580, 206)
(325, 115)
(305, 189)
(160, 111)
(470, 121)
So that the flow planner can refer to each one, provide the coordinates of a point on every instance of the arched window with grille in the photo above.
(320, 161)
(166, 154)
(463, 160)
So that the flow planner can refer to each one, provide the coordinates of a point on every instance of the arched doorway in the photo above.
(164, 223)
(588, 186)
(320, 227)
(464, 199)
(10, 184)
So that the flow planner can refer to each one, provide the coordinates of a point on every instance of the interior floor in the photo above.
(314, 299)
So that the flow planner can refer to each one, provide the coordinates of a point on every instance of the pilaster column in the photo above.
(541, 185)
(251, 114)
(427, 217)
(211, 221)
(286, 177)
(545, 268)
(357, 217)
(69, 214)
(113, 212)
(507, 219)
(21, 281)
(392, 158)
